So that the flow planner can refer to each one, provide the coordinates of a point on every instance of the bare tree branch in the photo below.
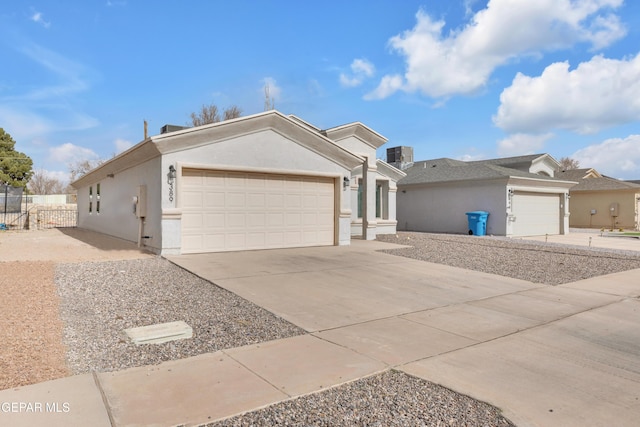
(567, 163)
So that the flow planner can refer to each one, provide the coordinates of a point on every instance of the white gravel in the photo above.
(536, 262)
(99, 300)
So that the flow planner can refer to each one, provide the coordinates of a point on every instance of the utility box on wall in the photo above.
(141, 202)
(614, 209)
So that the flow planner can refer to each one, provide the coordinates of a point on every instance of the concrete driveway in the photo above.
(563, 355)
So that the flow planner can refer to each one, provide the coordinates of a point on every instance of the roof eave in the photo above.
(139, 153)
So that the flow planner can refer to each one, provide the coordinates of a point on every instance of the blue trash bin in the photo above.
(477, 222)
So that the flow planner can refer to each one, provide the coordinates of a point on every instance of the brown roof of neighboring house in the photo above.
(578, 174)
(601, 183)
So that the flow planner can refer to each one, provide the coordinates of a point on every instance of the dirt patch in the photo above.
(31, 330)
(65, 245)
(30, 325)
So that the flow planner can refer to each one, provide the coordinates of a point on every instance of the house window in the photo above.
(98, 198)
(90, 199)
(382, 196)
(382, 199)
(360, 198)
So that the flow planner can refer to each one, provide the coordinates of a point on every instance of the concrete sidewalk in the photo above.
(564, 355)
(589, 238)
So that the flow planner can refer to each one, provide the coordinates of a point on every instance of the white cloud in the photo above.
(363, 66)
(360, 69)
(38, 18)
(462, 61)
(387, 86)
(62, 176)
(69, 153)
(598, 94)
(520, 144)
(471, 157)
(616, 157)
(122, 145)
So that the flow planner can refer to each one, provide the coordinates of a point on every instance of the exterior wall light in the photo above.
(172, 174)
(345, 182)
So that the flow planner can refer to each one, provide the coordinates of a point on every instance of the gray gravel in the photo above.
(99, 300)
(536, 262)
(392, 398)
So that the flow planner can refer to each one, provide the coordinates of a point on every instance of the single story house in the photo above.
(258, 182)
(520, 193)
(599, 201)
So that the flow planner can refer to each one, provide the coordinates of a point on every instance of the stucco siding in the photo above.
(116, 216)
(357, 146)
(582, 203)
(265, 151)
(442, 208)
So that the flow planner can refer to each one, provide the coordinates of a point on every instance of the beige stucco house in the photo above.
(520, 193)
(258, 182)
(599, 201)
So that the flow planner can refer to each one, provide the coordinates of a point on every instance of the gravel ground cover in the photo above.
(536, 262)
(99, 300)
(392, 398)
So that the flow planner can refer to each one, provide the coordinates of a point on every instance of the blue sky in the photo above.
(465, 79)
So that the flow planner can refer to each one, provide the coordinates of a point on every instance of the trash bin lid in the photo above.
(478, 213)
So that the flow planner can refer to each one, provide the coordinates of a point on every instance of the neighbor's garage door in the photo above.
(229, 211)
(536, 214)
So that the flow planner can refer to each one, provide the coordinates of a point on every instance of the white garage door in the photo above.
(536, 214)
(229, 211)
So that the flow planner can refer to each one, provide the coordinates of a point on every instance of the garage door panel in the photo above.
(213, 199)
(235, 200)
(256, 240)
(293, 185)
(536, 214)
(275, 219)
(214, 221)
(293, 238)
(192, 221)
(293, 219)
(256, 201)
(293, 201)
(225, 211)
(256, 219)
(211, 180)
(275, 201)
(235, 220)
(192, 198)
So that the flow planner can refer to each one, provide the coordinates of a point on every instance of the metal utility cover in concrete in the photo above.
(157, 334)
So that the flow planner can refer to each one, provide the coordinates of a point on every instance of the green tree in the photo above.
(15, 167)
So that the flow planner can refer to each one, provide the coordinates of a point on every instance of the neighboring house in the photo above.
(520, 194)
(256, 182)
(599, 201)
